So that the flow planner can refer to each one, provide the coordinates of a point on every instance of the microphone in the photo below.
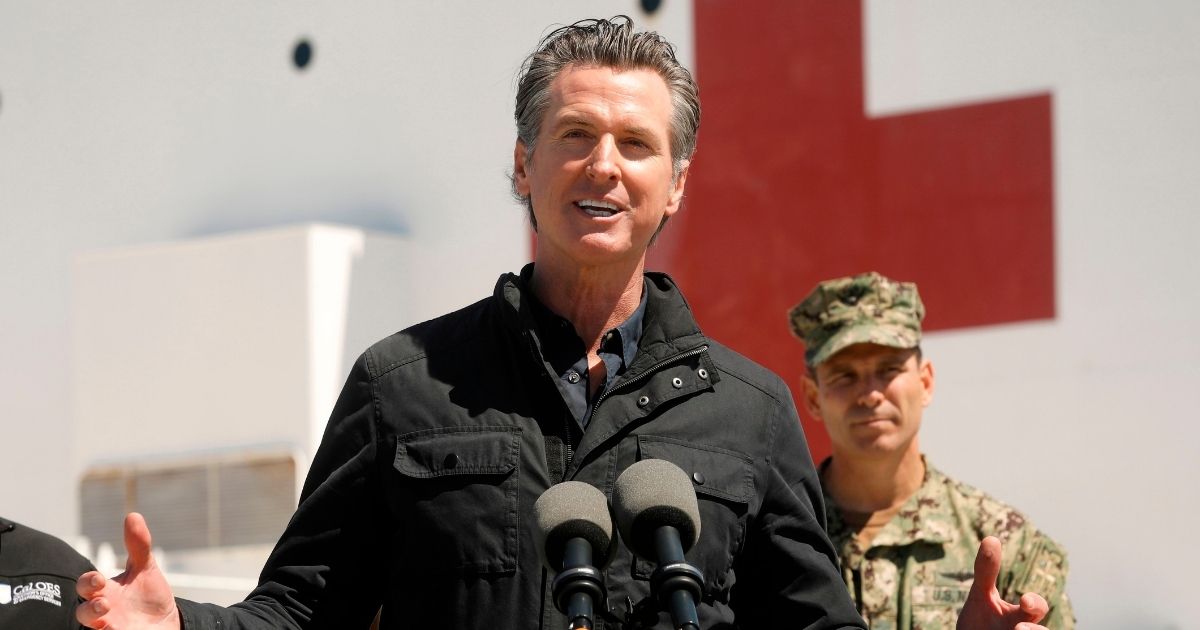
(574, 530)
(658, 517)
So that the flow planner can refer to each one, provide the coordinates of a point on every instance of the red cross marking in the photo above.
(793, 183)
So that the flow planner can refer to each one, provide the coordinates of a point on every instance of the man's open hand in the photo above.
(139, 598)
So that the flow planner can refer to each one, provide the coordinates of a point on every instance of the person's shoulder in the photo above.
(988, 515)
(24, 549)
(456, 329)
(992, 517)
(730, 363)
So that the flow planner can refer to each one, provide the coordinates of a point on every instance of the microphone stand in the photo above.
(578, 585)
(676, 583)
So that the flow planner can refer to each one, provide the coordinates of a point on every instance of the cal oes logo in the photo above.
(5, 593)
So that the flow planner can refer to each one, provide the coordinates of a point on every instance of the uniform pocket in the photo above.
(724, 484)
(456, 498)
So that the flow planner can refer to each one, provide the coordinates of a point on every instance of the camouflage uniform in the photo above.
(917, 571)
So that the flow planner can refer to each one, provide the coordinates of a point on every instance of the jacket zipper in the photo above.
(640, 377)
(569, 432)
(622, 385)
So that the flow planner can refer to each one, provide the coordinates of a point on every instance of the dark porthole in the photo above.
(302, 54)
(651, 6)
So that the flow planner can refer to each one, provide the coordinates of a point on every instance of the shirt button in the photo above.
(698, 477)
(451, 461)
(702, 373)
(643, 401)
(677, 382)
(573, 377)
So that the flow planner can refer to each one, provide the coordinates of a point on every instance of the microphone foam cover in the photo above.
(652, 493)
(573, 509)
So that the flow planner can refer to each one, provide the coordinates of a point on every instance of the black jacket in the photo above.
(421, 494)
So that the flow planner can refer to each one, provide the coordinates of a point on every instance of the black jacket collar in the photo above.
(668, 328)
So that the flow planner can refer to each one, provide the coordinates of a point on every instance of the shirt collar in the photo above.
(629, 332)
(622, 340)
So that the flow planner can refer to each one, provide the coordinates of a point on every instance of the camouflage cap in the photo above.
(867, 308)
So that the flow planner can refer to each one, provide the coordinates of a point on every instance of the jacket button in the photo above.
(451, 461)
(643, 401)
(698, 478)
(573, 377)
(702, 373)
(677, 382)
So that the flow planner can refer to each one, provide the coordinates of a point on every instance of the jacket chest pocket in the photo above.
(724, 484)
(456, 498)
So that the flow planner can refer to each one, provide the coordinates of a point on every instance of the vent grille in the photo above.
(212, 504)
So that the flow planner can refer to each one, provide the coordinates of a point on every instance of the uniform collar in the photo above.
(926, 516)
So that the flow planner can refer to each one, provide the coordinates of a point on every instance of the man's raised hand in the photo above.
(985, 610)
(139, 598)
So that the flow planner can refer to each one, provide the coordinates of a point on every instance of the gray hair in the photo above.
(606, 43)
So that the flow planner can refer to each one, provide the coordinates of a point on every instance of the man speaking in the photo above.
(420, 498)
